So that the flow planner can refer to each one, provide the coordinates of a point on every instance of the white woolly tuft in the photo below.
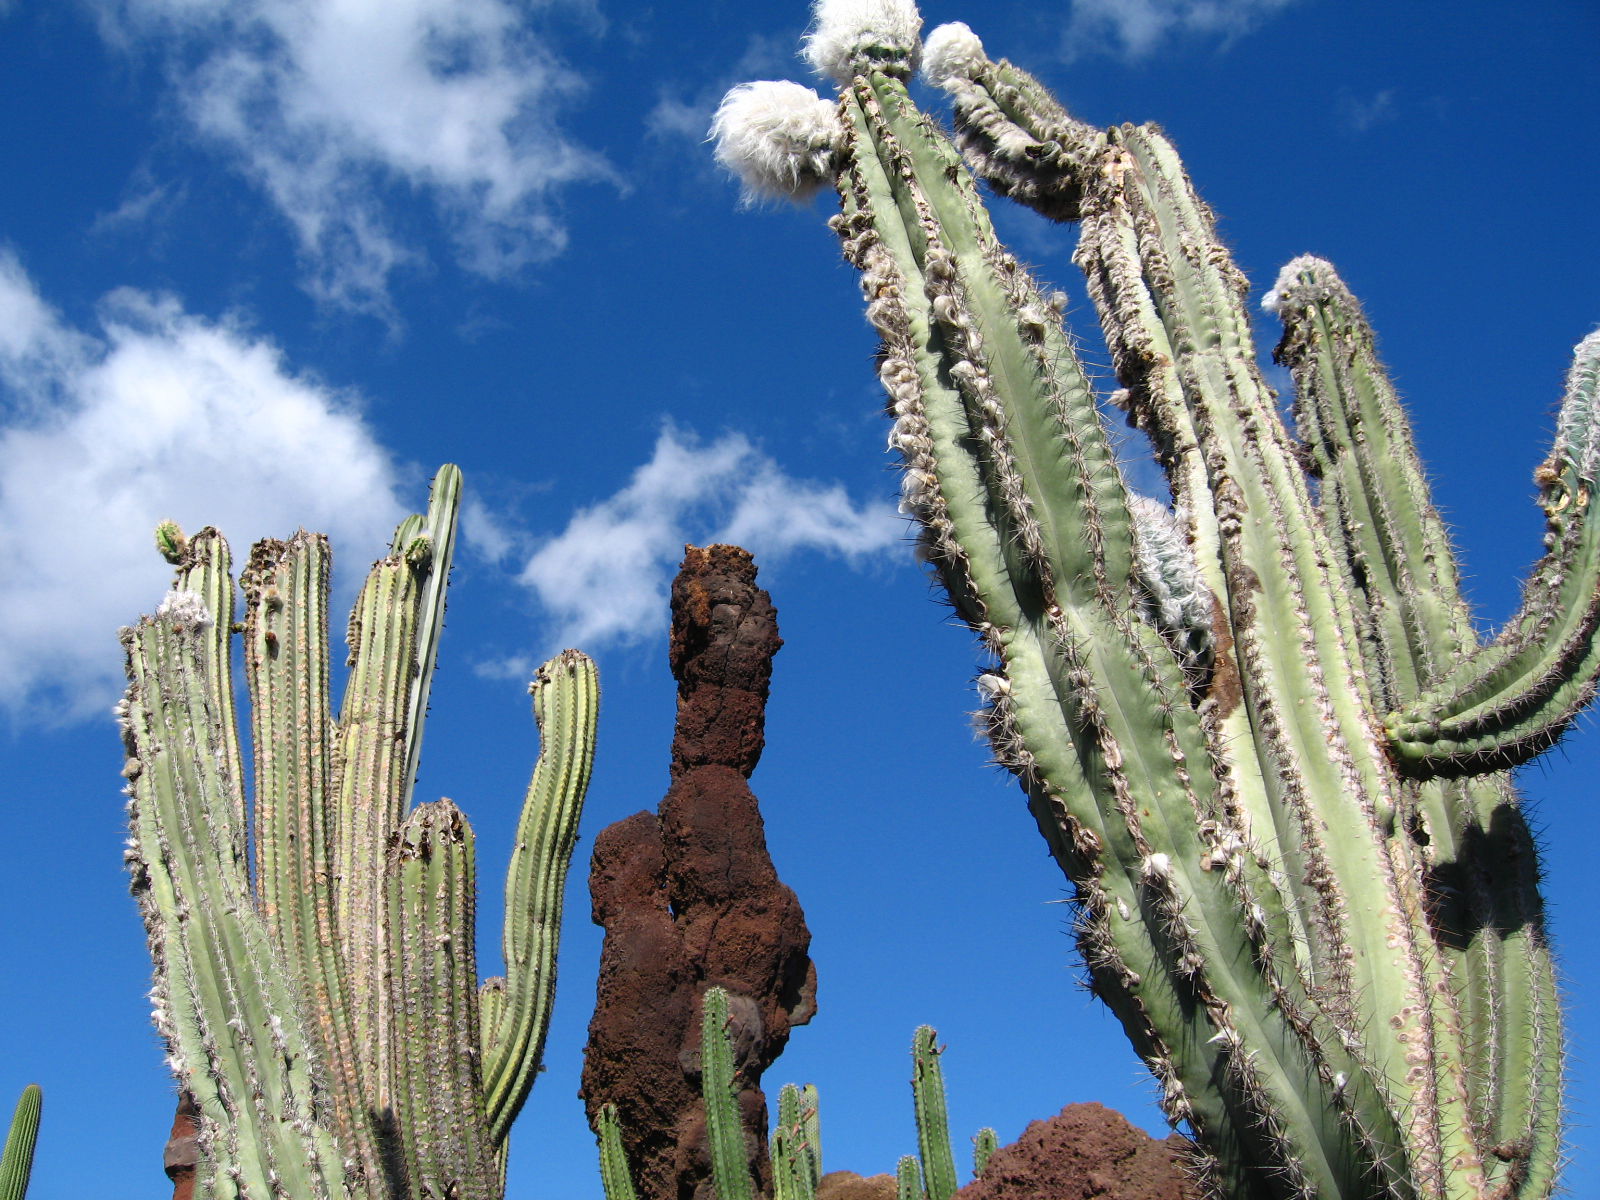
(186, 609)
(843, 32)
(1288, 278)
(1578, 425)
(950, 54)
(778, 137)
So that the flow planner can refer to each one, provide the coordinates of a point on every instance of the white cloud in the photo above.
(158, 414)
(1359, 114)
(1139, 27)
(604, 578)
(330, 107)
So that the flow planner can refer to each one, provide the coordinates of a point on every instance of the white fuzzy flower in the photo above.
(778, 137)
(843, 32)
(1289, 278)
(186, 609)
(950, 54)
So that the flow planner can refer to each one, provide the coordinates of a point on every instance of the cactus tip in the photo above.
(170, 541)
(845, 33)
(185, 609)
(1291, 277)
(778, 137)
(951, 53)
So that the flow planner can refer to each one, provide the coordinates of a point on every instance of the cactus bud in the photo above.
(846, 33)
(778, 137)
(951, 53)
(170, 541)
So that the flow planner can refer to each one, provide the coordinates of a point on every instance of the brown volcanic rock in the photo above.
(1084, 1152)
(847, 1185)
(689, 899)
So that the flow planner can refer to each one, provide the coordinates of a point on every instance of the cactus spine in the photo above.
(1256, 729)
(16, 1161)
(323, 1008)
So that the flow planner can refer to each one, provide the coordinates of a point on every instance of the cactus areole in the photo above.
(1252, 719)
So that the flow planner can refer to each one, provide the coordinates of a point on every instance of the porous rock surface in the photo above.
(689, 899)
(1084, 1152)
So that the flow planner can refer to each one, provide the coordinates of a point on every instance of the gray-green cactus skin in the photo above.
(1257, 729)
(322, 1002)
(16, 1160)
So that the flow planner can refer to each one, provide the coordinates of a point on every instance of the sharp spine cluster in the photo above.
(323, 1008)
(1319, 924)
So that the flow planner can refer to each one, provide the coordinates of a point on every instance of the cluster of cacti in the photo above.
(16, 1160)
(322, 1004)
(796, 1142)
(1256, 727)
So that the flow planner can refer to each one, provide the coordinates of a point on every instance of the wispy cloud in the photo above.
(1137, 28)
(603, 579)
(155, 414)
(1360, 113)
(333, 108)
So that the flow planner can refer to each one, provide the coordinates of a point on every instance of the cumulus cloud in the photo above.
(155, 414)
(604, 578)
(1139, 27)
(333, 108)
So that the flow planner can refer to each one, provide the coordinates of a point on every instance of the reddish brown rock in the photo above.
(847, 1185)
(1084, 1152)
(182, 1154)
(689, 899)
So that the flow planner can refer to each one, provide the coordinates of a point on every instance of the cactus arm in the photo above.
(933, 1122)
(796, 1146)
(730, 1165)
(205, 567)
(1374, 492)
(428, 546)
(223, 1000)
(615, 1177)
(16, 1161)
(437, 1094)
(566, 698)
(375, 751)
(1486, 913)
(1515, 697)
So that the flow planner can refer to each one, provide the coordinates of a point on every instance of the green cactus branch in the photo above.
(324, 1008)
(16, 1160)
(1320, 930)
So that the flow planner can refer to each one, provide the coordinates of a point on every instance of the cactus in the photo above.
(16, 1161)
(1256, 727)
(797, 1140)
(322, 1004)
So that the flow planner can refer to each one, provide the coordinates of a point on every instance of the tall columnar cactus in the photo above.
(322, 1005)
(1256, 727)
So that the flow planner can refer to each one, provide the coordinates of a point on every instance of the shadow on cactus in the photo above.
(322, 1004)
(1256, 725)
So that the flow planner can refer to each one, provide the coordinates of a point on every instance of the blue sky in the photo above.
(266, 263)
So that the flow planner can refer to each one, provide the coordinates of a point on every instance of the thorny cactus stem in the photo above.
(1318, 924)
(323, 1008)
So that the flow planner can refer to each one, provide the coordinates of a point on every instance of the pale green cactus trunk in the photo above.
(1257, 729)
(324, 1007)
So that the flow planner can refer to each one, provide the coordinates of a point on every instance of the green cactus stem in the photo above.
(614, 1174)
(324, 1008)
(730, 1164)
(984, 1145)
(16, 1161)
(933, 1122)
(1320, 928)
